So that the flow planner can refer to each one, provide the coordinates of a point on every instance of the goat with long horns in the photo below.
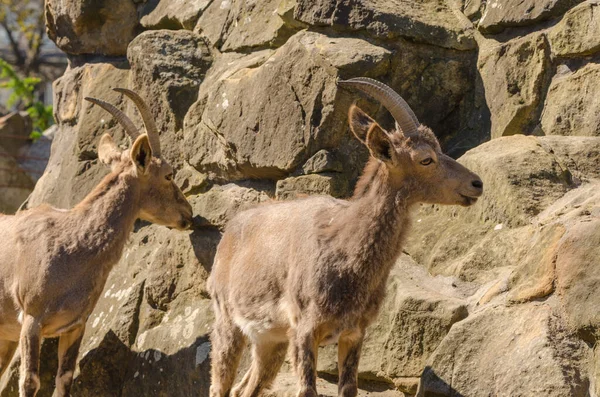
(54, 263)
(313, 271)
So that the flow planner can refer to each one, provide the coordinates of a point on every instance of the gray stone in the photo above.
(262, 117)
(322, 161)
(92, 27)
(578, 33)
(168, 67)
(167, 14)
(514, 74)
(239, 25)
(521, 350)
(501, 14)
(572, 104)
(429, 21)
(333, 184)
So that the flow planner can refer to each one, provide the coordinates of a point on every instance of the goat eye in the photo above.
(427, 161)
(169, 177)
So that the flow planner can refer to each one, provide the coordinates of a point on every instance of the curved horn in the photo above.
(151, 129)
(398, 108)
(121, 117)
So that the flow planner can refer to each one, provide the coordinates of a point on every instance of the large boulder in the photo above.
(572, 105)
(168, 67)
(239, 25)
(429, 21)
(514, 75)
(521, 350)
(167, 14)
(578, 33)
(92, 27)
(499, 15)
(73, 167)
(287, 101)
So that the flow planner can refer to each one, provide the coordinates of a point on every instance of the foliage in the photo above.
(23, 97)
(23, 24)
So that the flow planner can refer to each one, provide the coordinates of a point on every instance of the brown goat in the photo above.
(54, 263)
(313, 271)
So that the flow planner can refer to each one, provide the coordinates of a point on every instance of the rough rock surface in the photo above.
(429, 21)
(495, 299)
(578, 33)
(165, 14)
(572, 104)
(92, 27)
(501, 14)
(514, 74)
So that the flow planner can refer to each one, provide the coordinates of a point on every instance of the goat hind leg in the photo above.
(227, 342)
(304, 356)
(7, 351)
(267, 358)
(68, 349)
(349, 347)
(29, 379)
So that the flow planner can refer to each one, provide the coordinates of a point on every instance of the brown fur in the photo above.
(314, 271)
(54, 263)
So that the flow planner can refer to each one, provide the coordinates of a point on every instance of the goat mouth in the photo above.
(468, 200)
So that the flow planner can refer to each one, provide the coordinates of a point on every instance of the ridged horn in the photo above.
(121, 117)
(147, 117)
(394, 103)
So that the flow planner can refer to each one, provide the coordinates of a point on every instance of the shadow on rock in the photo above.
(112, 369)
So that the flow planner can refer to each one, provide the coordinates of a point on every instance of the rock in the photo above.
(322, 161)
(15, 129)
(168, 67)
(165, 14)
(287, 102)
(238, 25)
(580, 155)
(34, 157)
(430, 21)
(578, 33)
(418, 313)
(577, 272)
(443, 90)
(95, 27)
(333, 184)
(526, 347)
(221, 203)
(501, 14)
(15, 185)
(502, 232)
(73, 169)
(572, 105)
(514, 74)
(523, 176)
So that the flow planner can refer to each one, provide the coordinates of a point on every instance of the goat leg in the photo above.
(304, 350)
(29, 383)
(68, 349)
(349, 347)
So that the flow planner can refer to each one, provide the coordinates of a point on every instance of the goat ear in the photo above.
(108, 153)
(141, 153)
(360, 122)
(379, 144)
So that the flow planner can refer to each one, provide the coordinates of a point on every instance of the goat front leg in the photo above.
(29, 382)
(304, 354)
(349, 347)
(68, 350)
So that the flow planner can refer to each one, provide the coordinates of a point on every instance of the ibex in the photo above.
(313, 271)
(54, 263)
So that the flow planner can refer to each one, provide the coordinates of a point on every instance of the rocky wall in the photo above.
(497, 299)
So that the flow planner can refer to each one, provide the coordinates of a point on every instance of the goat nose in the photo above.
(477, 184)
